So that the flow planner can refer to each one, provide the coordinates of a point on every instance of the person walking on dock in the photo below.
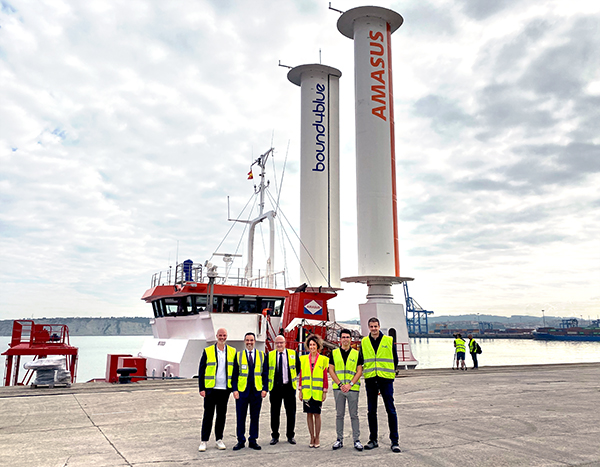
(249, 388)
(345, 369)
(473, 348)
(282, 366)
(214, 381)
(379, 369)
(460, 348)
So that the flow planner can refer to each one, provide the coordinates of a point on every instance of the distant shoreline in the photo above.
(115, 326)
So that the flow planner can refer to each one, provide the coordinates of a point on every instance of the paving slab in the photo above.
(544, 415)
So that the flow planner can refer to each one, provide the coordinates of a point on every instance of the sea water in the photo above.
(430, 353)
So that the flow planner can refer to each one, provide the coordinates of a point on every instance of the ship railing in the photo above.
(261, 280)
(27, 332)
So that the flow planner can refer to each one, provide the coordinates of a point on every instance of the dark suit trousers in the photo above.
(215, 399)
(287, 395)
(250, 398)
(385, 386)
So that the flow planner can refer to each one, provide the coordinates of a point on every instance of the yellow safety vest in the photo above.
(472, 346)
(460, 345)
(312, 382)
(211, 365)
(291, 359)
(382, 364)
(243, 366)
(346, 371)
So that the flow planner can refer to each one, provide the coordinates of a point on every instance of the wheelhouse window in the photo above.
(274, 306)
(248, 305)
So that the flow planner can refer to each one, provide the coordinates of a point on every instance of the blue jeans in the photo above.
(385, 386)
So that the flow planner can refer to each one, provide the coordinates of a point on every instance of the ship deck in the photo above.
(497, 416)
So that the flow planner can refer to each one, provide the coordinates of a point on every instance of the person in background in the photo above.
(345, 368)
(214, 381)
(380, 361)
(282, 388)
(473, 351)
(249, 385)
(460, 348)
(313, 387)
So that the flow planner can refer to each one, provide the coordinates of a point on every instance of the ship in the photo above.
(569, 330)
(192, 302)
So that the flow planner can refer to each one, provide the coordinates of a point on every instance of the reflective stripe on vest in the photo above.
(243, 366)
(210, 375)
(460, 345)
(291, 355)
(312, 386)
(382, 364)
(346, 371)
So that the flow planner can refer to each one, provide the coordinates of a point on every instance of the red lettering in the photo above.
(378, 94)
(378, 111)
(378, 76)
(375, 62)
(377, 45)
(376, 36)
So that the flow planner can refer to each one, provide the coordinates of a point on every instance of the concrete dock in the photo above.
(545, 415)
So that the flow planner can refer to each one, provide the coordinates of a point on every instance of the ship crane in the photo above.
(417, 322)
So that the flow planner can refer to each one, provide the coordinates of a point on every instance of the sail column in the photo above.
(319, 174)
(371, 29)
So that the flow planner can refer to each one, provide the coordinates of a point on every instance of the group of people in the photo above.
(251, 374)
(460, 351)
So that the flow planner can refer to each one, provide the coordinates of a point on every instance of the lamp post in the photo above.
(544, 318)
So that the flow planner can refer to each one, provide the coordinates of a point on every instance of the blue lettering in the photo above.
(320, 140)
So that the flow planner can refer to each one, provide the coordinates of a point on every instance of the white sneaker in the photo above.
(220, 444)
(202, 446)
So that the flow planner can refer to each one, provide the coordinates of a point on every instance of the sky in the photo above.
(125, 127)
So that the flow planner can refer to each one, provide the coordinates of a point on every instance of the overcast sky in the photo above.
(124, 126)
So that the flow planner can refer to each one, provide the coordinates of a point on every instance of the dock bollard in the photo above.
(125, 374)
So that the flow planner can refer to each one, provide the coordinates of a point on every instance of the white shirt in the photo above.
(284, 366)
(221, 376)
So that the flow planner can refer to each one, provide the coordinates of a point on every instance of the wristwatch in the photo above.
(351, 384)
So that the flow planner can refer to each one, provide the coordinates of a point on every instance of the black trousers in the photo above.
(474, 357)
(287, 395)
(250, 398)
(216, 399)
(374, 387)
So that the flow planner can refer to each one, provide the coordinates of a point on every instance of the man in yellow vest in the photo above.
(460, 349)
(283, 371)
(249, 388)
(345, 368)
(379, 369)
(214, 381)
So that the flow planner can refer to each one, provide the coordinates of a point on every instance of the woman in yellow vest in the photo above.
(313, 386)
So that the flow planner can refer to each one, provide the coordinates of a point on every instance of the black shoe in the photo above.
(396, 448)
(273, 441)
(291, 441)
(254, 445)
(371, 445)
(337, 445)
(239, 446)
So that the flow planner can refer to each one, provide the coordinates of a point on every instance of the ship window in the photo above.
(156, 309)
(228, 304)
(189, 307)
(160, 307)
(200, 303)
(171, 306)
(247, 305)
(274, 307)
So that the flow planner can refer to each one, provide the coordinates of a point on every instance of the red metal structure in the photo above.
(39, 341)
(311, 306)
